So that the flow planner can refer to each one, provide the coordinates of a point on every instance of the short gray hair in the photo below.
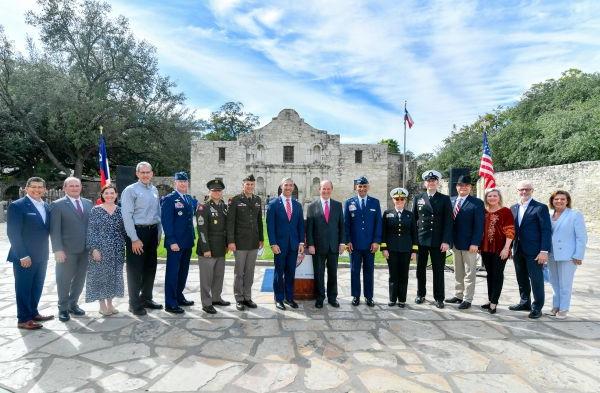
(141, 164)
(70, 179)
(35, 179)
(326, 181)
(286, 180)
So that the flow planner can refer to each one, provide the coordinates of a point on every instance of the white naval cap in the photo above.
(431, 174)
(399, 192)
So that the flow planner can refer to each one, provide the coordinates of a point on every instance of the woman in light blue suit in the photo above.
(569, 238)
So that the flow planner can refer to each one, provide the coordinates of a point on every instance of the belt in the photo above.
(146, 225)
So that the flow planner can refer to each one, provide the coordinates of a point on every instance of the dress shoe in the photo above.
(439, 304)
(370, 302)
(519, 307)
(138, 311)
(30, 325)
(291, 303)
(391, 304)
(453, 300)
(319, 304)
(250, 304)
(485, 306)
(186, 303)
(535, 314)
(221, 303)
(77, 311)
(464, 305)
(419, 299)
(280, 305)
(355, 301)
(334, 303)
(63, 316)
(209, 309)
(174, 310)
(401, 305)
(42, 318)
(240, 306)
(151, 304)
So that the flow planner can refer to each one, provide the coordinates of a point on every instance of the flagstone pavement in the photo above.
(350, 349)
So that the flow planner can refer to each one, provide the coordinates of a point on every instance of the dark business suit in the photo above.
(532, 235)
(28, 235)
(177, 219)
(434, 227)
(287, 234)
(68, 232)
(326, 236)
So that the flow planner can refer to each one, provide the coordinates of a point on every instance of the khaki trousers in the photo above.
(243, 273)
(212, 273)
(465, 271)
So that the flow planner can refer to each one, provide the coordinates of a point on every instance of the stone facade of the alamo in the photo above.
(289, 147)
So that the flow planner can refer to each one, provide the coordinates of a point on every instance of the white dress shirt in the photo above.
(39, 205)
(522, 208)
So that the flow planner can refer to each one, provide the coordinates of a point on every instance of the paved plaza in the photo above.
(350, 349)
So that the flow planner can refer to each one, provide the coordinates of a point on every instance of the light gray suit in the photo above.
(68, 229)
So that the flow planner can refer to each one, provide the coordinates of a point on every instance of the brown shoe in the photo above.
(29, 325)
(42, 318)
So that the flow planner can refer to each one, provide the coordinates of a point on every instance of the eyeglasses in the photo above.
(524, 189)
(399, 198)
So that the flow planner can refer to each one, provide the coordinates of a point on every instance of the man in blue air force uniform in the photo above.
(362, 220)
(177, 217)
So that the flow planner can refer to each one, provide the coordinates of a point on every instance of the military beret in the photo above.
(361, 180)
(249, 178)
(431, 174)
(399, 192)
(464, 179)
(215, 185)
(181, 176)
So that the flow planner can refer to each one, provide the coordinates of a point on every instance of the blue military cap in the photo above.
(181, 176)
(361, 180)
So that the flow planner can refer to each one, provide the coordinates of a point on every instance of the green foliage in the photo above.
(555, 122)
(392, 145)
(228, 123)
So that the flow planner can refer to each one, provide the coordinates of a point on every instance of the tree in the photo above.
(228, 123)
(392, 145)
(91, 71)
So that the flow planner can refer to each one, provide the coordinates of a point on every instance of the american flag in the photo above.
(486, 167)
(407, 119)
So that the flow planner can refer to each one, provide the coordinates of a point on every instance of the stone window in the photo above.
(221, 154)
(358, 156)
(288, 154)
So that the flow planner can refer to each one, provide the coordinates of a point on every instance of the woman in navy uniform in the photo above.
(399, 245)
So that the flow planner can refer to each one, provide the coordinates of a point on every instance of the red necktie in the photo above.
(288, 209)
(78, 207)
(326, 212)
(457, 207)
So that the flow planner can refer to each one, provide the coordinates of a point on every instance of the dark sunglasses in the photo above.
(399, 198)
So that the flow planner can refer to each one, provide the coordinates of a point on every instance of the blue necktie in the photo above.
(362, 204)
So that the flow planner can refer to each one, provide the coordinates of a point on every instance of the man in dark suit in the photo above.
(69, 221)
(533, 242)
(433, 212)
(362, 220)
(177, 218)
(468, 214)
(325, 240)
(28, 228)
(285, 228)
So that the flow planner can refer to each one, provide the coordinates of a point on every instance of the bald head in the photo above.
(525, 190)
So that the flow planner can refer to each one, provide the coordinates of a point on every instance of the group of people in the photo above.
(91, 244)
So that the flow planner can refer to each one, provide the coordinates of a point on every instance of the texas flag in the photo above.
(103, 163)
(408, 119)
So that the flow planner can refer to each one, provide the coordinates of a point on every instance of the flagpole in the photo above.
(404, 155)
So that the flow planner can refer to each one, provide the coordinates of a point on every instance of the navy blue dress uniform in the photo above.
(434, 227)
(399, 239)
(362, 220)
(177, 217)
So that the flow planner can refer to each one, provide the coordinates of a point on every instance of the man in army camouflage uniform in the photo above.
(212, 246)
(245, 237)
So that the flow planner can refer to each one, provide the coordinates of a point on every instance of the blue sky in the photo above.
(347, 66)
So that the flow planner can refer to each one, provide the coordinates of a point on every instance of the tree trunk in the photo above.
(78, 166)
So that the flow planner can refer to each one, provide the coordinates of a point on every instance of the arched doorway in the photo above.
(314, 190)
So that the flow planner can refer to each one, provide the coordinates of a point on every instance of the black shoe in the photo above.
(370, 302)
(174, 310)
(355, 301)
(486, 306)
(250, 304)
(186, 303)
(453, 300)
(464, 305)
(419, 299)
(209, 309)
(391, 304)
(401, 305)
(291, 303)
(535, 314)
(318, 304)
(75, 310)
(241, 306)
(439, 304)
(280, 305)
(151, 304)
(519, 307)
(492, 310)
(63, 316)
(334, 303)
(138, 311)
(221, 303)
